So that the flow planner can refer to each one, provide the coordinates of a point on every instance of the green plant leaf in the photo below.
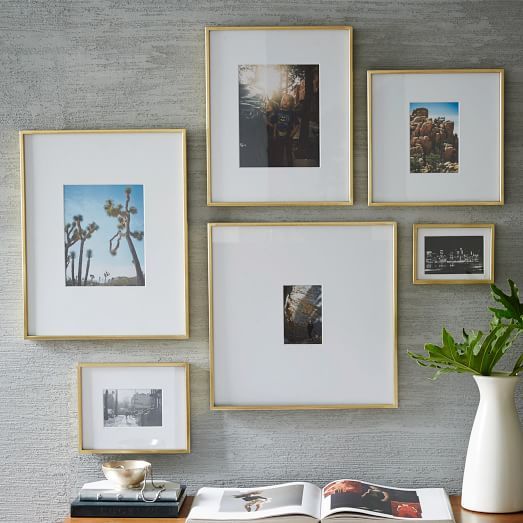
(513, 309)
(479, 353)
(518, 366)
(440, 372)
(502, 343)
(486, 347)
(501, 313)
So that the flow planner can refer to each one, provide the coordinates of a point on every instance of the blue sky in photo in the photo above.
(449, 111)
(89, 201)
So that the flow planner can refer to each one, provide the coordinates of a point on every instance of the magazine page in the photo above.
(256, 503)
(347, 495)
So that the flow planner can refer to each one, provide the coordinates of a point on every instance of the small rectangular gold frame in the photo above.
(210, 201)
(27, 335)
(212, 402)
(417, 226)
(81, 448)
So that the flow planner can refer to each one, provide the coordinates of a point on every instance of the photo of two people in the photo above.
(279, 115)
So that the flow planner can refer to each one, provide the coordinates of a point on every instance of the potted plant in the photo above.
(493, 477)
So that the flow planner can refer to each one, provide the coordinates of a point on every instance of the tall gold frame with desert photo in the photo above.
(23, 135)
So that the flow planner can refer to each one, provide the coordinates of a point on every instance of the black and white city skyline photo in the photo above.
(454, 255)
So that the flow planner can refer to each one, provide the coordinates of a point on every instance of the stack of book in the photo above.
(101, 499)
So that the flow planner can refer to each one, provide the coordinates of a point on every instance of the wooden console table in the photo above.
(460, 514)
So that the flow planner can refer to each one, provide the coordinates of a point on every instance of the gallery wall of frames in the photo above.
(279, 152)
(105, 193)
(227, 256)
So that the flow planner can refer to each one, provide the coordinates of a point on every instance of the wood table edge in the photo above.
(461, 515)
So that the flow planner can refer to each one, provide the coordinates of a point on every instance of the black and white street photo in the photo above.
(132, 407)
(454, 255)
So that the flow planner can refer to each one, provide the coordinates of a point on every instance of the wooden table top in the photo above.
(466, 516)
(460, 514)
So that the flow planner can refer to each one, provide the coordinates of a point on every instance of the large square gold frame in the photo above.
(372, 73)
(81, 449)
(212, 403)
(208, 30)
(27, 336)
(417, 226)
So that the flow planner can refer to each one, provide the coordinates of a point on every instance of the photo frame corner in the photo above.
(79, 405)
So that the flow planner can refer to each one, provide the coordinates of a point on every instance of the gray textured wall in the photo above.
(119, 64)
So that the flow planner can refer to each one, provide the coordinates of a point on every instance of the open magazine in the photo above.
(345, 500)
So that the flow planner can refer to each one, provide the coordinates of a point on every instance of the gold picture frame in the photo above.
(212, 400)
(82, 450)
(22, 142)
(210, 201)
(371, 74)
(445, 281)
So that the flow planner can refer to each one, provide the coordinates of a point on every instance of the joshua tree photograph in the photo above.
(434, 137)
(302, 314)
(104, 235)
(279, 115)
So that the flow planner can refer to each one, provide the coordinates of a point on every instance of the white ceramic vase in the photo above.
(493, 478)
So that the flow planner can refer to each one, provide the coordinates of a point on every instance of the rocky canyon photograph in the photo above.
(434, 137)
